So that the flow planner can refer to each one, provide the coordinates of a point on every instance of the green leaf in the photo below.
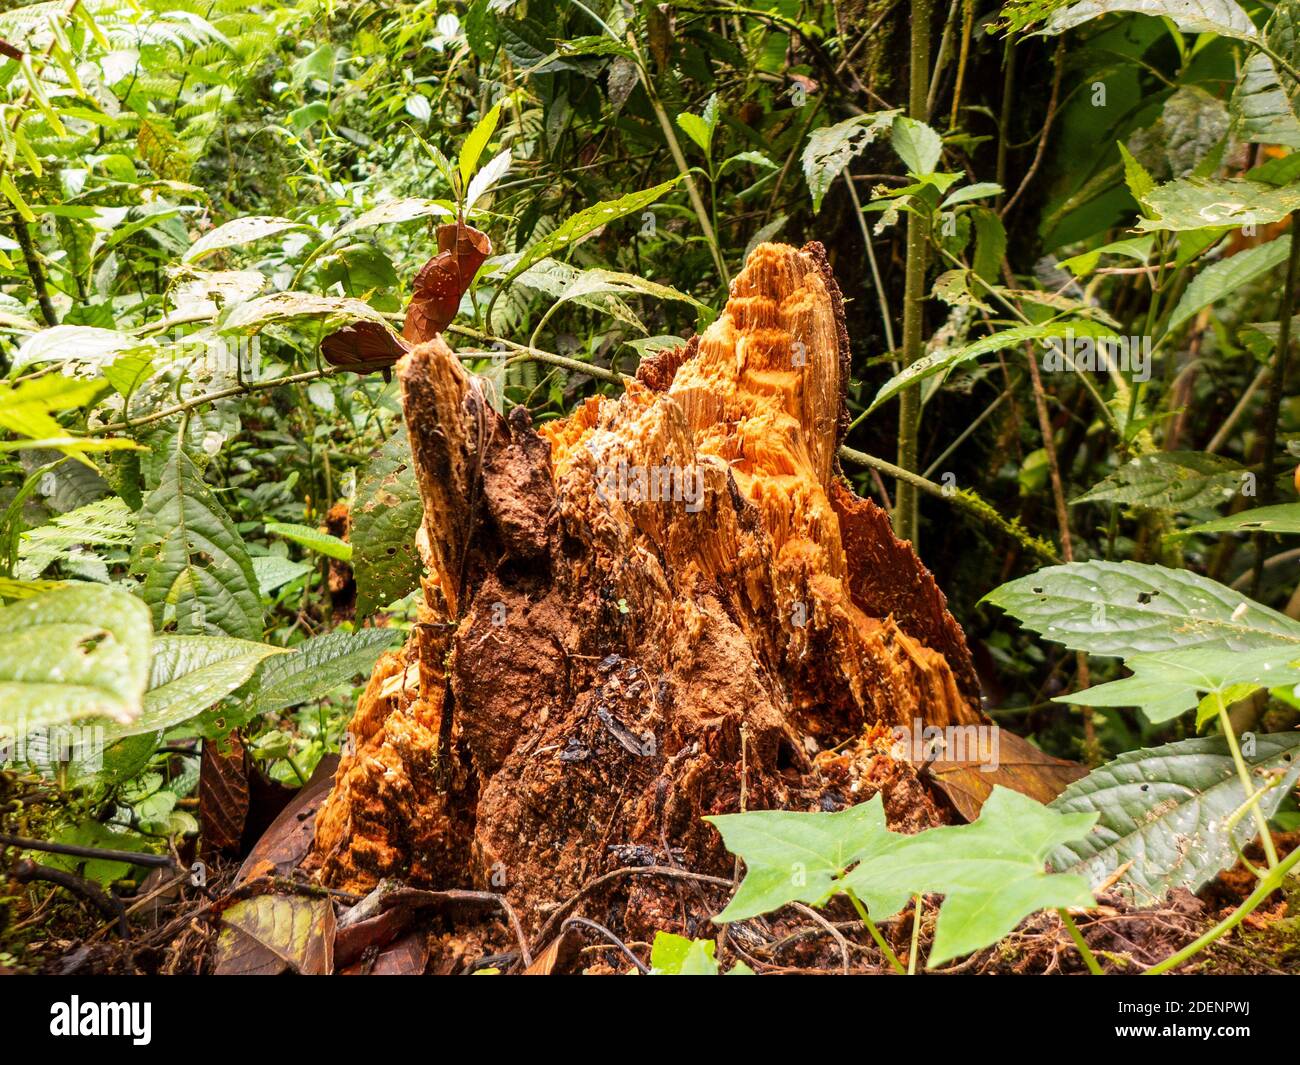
(1280, 518)
(313, 539)
(1219, 279)
(799, 857)
(947, 358)
(1165, 684)
(385, 518)
(1176, 481)
(584, 223)
(191, 557)
(673, 955)
(472, 147)
(1199, 203)
(1122, 608)
(700, 127)
(394, 211)
(1136, 248)
(831, 148)
(990, 872)
(316, 667)
(1139, 182)
(917, 145)
(77, 651)
(105, 522)
(977, 191)
(237, 233)
(275, 571)
(1223, 17)
(332, 312)
(1167, 809)
(187, 675)
(71, 343)
(1260, 108)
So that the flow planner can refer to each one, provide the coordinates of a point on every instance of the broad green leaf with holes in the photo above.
(1125, 608)
(1169, 480)
(831, 148)
(74, 652)
(312, 539)
(316, 667)
(385, 518)
(1167, 810)
(194, 564)
(990, 872)
(1200, 203)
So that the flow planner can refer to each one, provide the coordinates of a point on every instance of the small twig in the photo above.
(602, 930)
(159, 861)
(1059, 63)
(835, 933)
(110, 906)
(35, 271)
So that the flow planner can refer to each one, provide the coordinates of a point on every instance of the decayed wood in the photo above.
(594, 671)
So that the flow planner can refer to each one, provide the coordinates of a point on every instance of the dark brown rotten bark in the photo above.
(594, 670)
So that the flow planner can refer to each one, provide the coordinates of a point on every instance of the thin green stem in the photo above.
(1267, 886)
(1085, 951)
(885, 948)
(1243, 774)
(912, 950)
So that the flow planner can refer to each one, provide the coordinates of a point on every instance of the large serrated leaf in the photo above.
(1200, 203)
(385, 519)
(1260, 108)
(191, 557)
(1169, 480)
(1166, 808)
(187, 675)
(1121, 608)
(316, 667)
(77, 651)
(1226, 276)
(831, 148)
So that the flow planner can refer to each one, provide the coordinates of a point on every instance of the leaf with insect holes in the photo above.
(1167, 810)
(385, 518)
(192, 558)
(1125, 608)
(74, 652)
(1199, 203)
(990, 872)
(831, 148)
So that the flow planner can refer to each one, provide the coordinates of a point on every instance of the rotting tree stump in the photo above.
(667, 605)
